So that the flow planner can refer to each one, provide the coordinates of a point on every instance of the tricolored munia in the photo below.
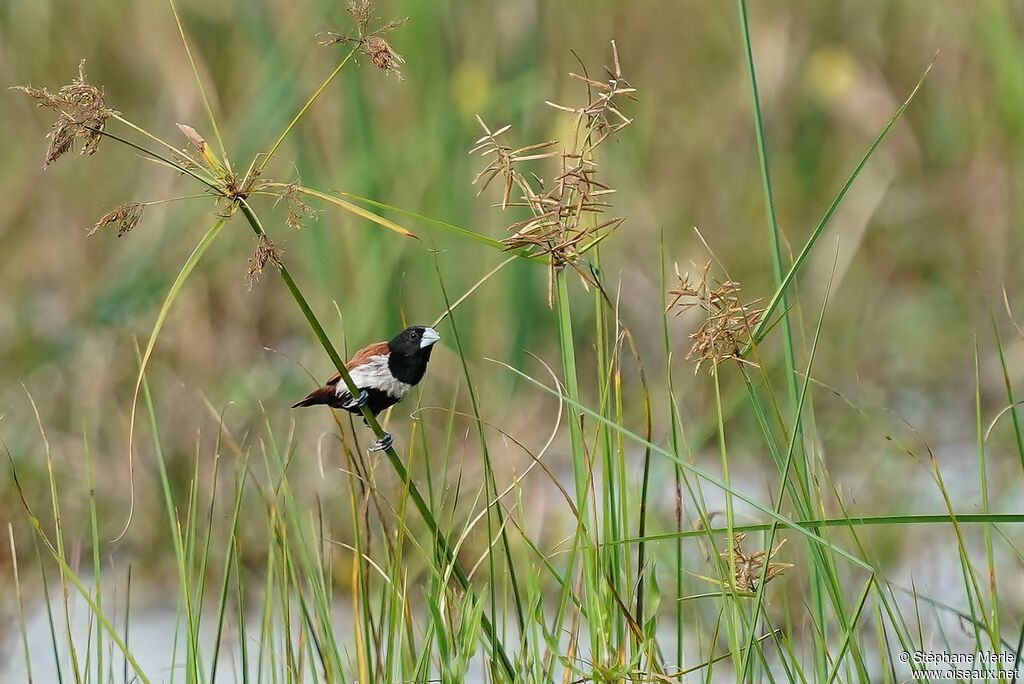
(383, 372)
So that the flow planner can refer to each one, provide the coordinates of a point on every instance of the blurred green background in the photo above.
(924, 245)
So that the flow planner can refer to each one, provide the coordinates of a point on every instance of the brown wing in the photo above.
(361, 357)
(327, 394)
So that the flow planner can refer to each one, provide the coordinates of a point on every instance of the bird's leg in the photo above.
(382, 444)
(364, 396)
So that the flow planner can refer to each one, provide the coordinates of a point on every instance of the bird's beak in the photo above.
(430, 336)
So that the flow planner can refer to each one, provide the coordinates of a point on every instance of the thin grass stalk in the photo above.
(458, 231)
(193, 668)
(879, 580)
(780, 292)
(677, 470)
(268, 595)
(298, 115)
(882, 644)
(284, 592)
(491, 489)
(205, 557)
(127, 621)
(59, 540)
(778, 266)
(730, 600)
(805, 508)
(230, 564)
(972, 590)
(94, 539)
(580, 458)
(697, 472)
(178, 542)
(1019, 442)
(179, 282)
(359, 590)
(847, 521)
(847, 638)
(156, 156)
(1011, 401)
(199, 83)
(326, 644)
(22, 625)
(380, 632)
(239, 597)
(790, 458)
(774, 234)
(993, 620)
(86, 595)
(358, 594)
(613, 483)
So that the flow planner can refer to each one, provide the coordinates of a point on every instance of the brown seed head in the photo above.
(566, 214)
(382, 55)
(727, 322)
(124, 216)
(264, 253)
(748, 567)
(370, 43)
(81, 115)
(600, 116)
(298, 209)
(361, 11)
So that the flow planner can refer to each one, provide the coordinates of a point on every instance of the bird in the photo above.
(383, 372)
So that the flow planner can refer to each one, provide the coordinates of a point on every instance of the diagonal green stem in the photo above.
(762, 328)
(312, 98)
(170, 162)
(440, 541)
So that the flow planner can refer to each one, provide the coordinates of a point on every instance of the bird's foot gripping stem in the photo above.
(358, 402)
(382, 444)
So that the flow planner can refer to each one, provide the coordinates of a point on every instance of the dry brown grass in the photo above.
(125, 216)
(750, 566)
(81, 115)
(266, 252)
(566, 213)
(727, 323)
(370, 43)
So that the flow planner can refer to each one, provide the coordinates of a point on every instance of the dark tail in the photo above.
(321, 395)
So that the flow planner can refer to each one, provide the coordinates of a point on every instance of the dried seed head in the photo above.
(600, 117)
(264, 253)
(382, 55)
(81, 115)
(370, 43)
(124, 216)
(361, 11)
(567, 213)
(298, 209)
(728, 322)
(748, 567)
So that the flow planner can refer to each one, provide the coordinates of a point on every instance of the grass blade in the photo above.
(172, 294)
(357, 210)
(787, 281)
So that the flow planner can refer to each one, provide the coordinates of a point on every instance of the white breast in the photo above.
(374, 374)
